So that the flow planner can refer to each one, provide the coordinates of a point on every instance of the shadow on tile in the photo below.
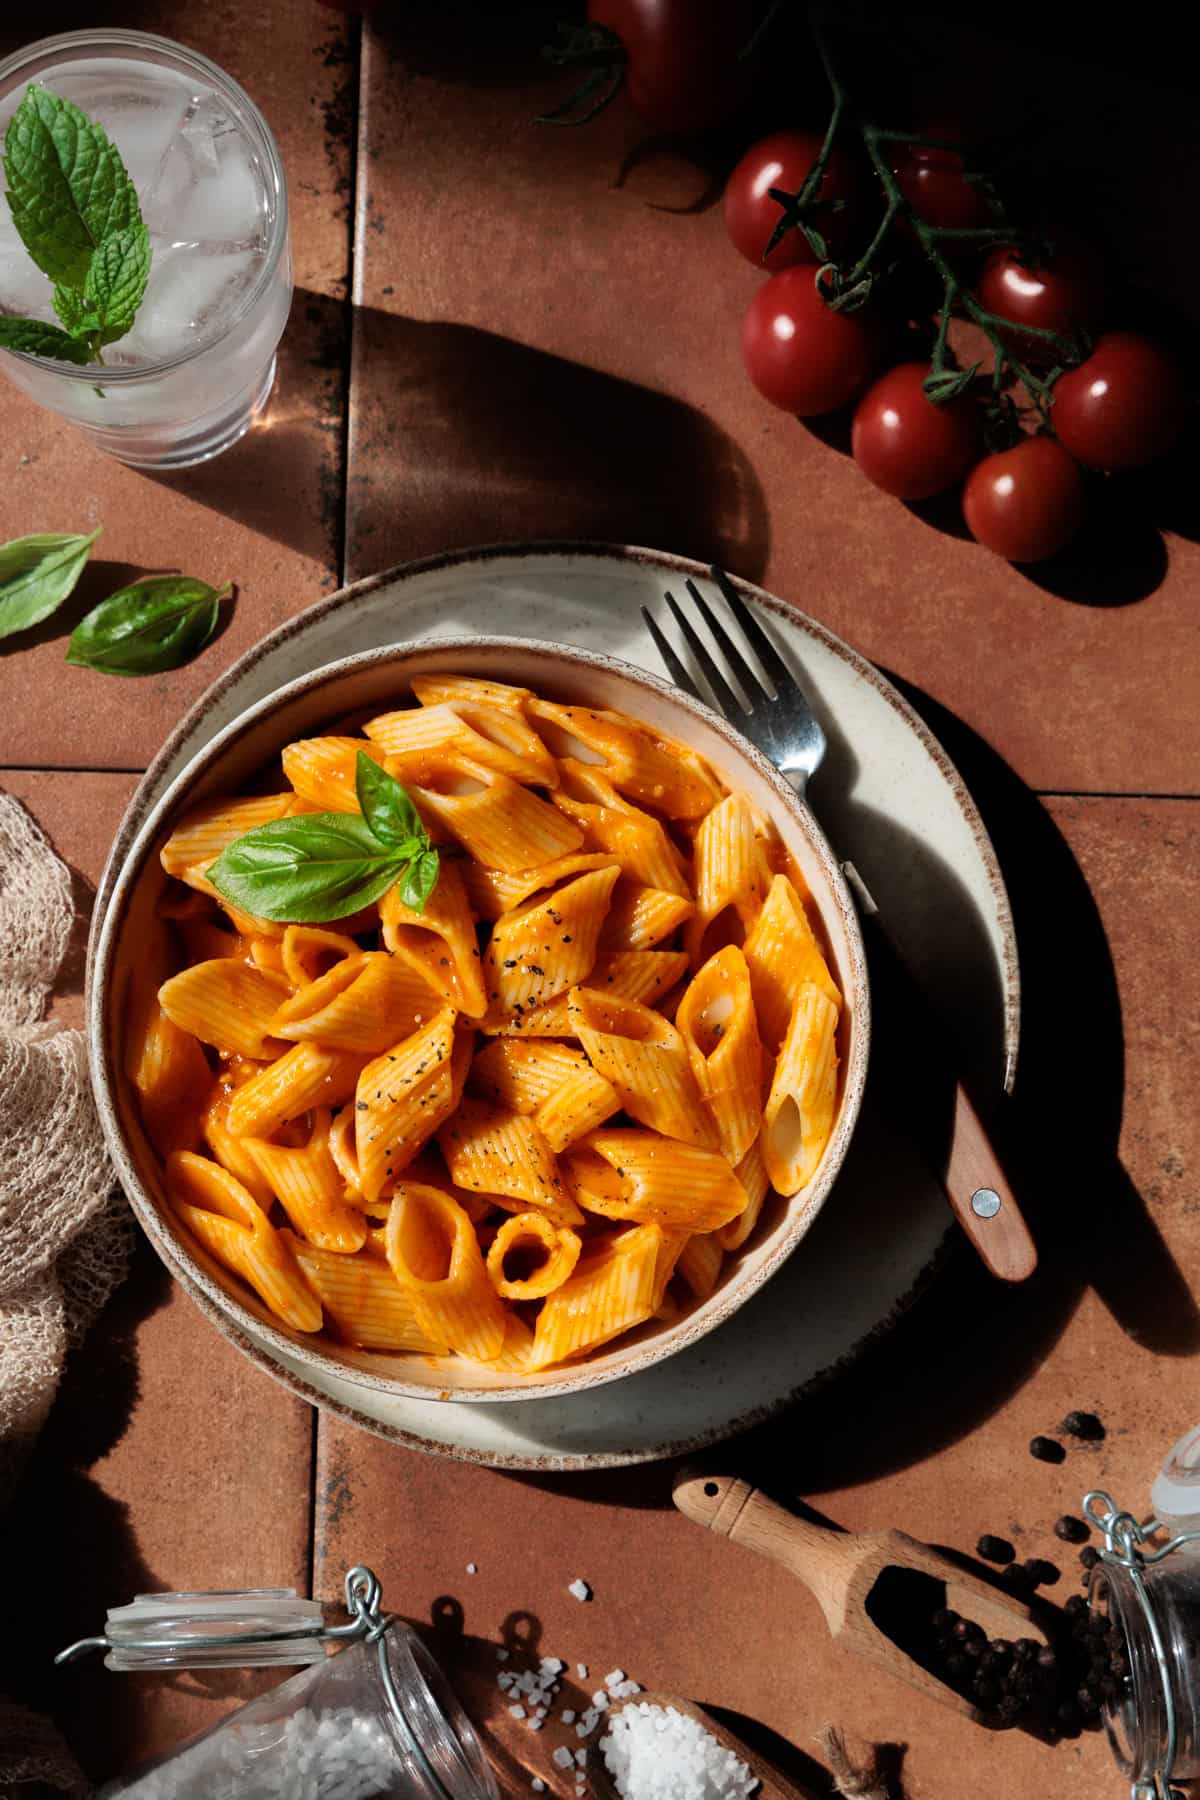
(463, 437)
(99, 579)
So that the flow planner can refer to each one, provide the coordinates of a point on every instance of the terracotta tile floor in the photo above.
(541, 348)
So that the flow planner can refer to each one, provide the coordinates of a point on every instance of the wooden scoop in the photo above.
(859, 1582)
(774, 1786)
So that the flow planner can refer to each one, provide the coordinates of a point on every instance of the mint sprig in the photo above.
(321, 866)
(76, 211)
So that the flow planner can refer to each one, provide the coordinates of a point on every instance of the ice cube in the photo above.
(25, 292)
(189, 298)
(144, 124)
(229, 205)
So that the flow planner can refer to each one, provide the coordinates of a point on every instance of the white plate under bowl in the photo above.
(888, 797)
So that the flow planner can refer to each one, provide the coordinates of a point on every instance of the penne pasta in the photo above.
(232, 1152)
(491, 892)
(782, 953)
(305, 1076)
(403, 1096)
(717, 1024)
(731, 874)
(309, 951)
(439, 943)
(431, 739)
(498, 822)
(364, 1003)
(530, 1256)
(611, 1291)
(645, 1059)
(635, 759)
(800, 1106)
(363, 1301)
(640, 917)
(227, 1003)
(491, 1150)
(611, 824)
(752, 1173)
(306, 1182)
(638, 1175)
(517, 1350)
(645, 976)
(546, 946)
(700, 1262)
(556, 1084)
(222, 1214)
(204, 940)
(433, 1253)
(323, 771)
(470, 690)
(166, 1066)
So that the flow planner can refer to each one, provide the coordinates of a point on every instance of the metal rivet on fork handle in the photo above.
(985, 1203)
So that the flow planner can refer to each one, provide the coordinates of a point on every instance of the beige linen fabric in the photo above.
(65, 1232)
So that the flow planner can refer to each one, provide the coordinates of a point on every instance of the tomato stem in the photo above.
(850, 285)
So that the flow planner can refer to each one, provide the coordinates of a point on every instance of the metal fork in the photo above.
(778, 719)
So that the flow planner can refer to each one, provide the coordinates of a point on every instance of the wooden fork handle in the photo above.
(822, 1559)
(969, 1166)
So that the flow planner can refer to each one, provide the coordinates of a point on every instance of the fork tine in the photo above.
(676, 669)
(768, 655)
(752, 684)
(727, 700)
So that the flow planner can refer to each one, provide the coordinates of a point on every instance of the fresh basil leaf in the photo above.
(387, 809)
(154, 624)
(305, 870)
(68, 189)
(419, 880)
(116, 282)
(37, 574)
(36, 338)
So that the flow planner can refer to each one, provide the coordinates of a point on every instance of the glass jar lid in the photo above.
(245, 1628)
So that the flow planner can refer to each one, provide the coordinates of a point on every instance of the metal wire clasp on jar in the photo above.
(379, 1718)
(1151, 1592)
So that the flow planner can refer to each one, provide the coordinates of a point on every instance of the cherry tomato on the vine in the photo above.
(1123, 406)
(783, 160)
(684, 71)
(801, 354)
(1025, 503)
(934, 182)
(1062, 292)
(908, 445)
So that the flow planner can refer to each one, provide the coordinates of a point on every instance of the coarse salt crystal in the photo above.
(614, 1678)
(472, 1568)
(538, 1785)
(568, 1716)
(505, 1681)
(516, 1712)
(581, 1757)
(502, 1655)
(562, 1758)
(536, 1724)
(656, 1753)
(581, 1671)
(580, 1589)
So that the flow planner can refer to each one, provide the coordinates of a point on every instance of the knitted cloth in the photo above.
(65, 1233)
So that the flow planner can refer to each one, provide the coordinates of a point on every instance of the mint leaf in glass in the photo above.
(36, 575)
(154, 624)
(68, 189)
(36, 338)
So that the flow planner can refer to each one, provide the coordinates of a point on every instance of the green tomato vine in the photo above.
(847, 288)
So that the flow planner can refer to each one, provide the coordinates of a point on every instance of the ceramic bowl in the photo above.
(353, 688)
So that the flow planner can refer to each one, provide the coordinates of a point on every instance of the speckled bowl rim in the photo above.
(612, 1364)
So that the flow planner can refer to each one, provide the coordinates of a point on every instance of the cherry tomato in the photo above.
(935, 185)
(783, 160)
(799, 353)
(907, 445)
(683, 70)
(1123, 406)
(1063, 292)
(1027, 502)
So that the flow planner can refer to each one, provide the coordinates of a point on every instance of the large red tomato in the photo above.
(684, 71)
(1062, 292)
(1123, 406)
(783, 160)
(1025, 503)
(907, 445)
(799, 353)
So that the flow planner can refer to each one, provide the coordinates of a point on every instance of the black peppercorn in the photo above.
(1067, 1717)
(985, 1690)
(1046, 1658)
(1088, 1703)
(1075, 1606)
(963, 1629)
(956, 1664)
(1089, 1556)
(974, 1646)
(1047, 1450)
(944, 1619)
(1070, 1529)
(1040, 1572)
(1009, 1706)
(1084, 1425)
(994, 1549)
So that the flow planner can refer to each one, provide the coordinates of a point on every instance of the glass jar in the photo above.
(1151, 1592)
(378, 1718)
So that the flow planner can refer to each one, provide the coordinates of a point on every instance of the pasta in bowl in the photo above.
(487, 1018)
